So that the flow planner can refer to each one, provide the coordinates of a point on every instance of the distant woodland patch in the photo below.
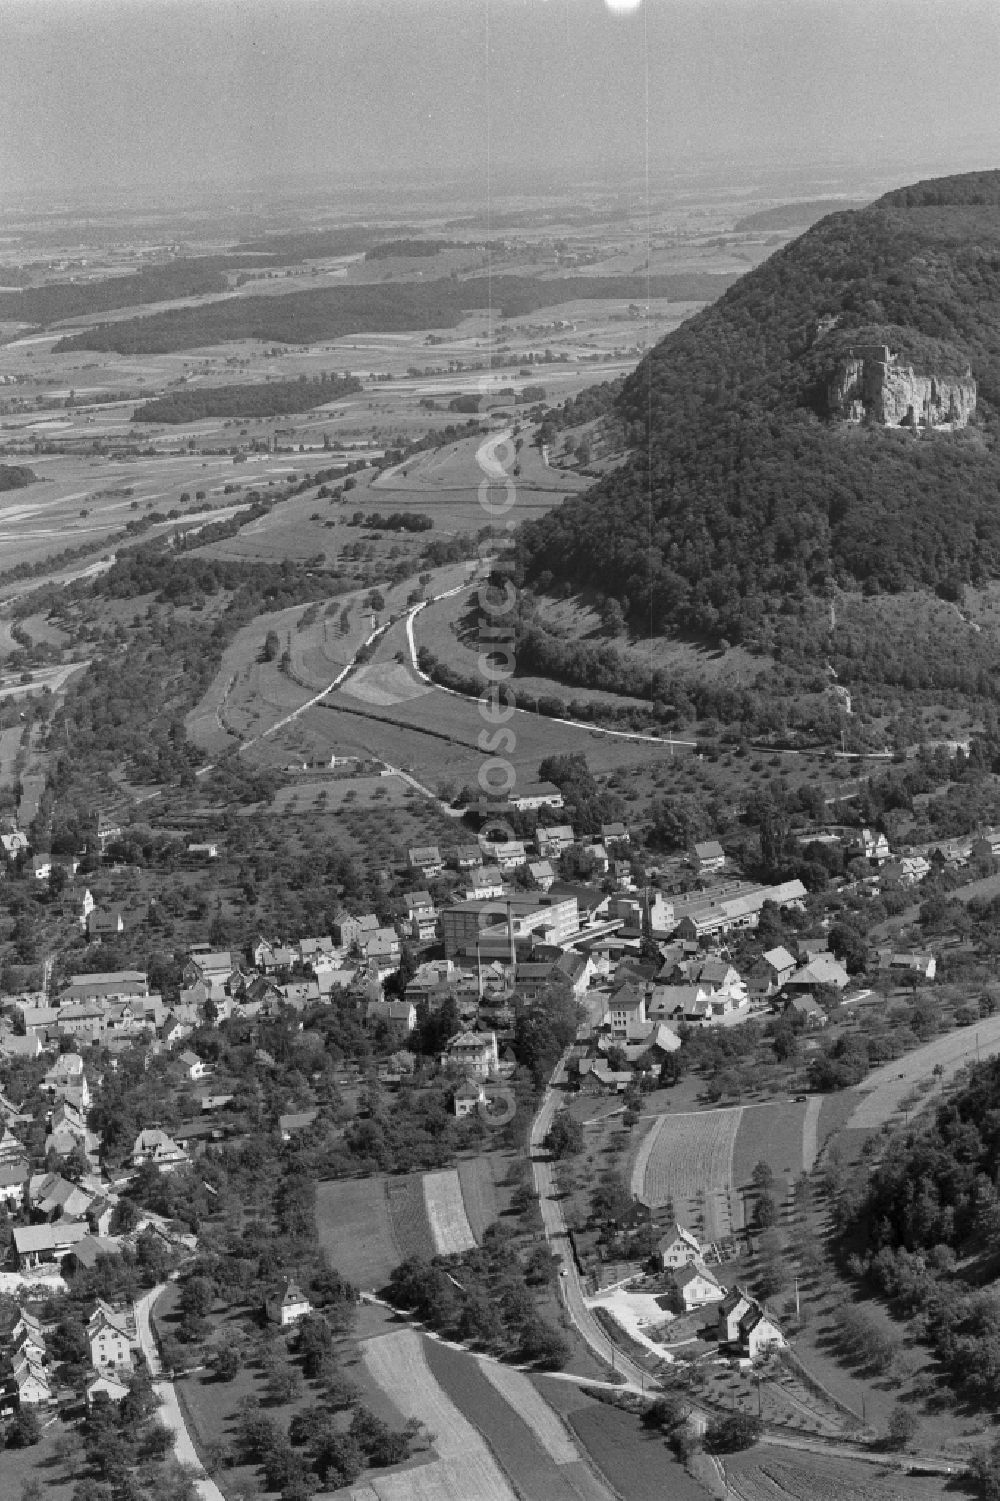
(270, 399)
(194, 277)
(332, 312)
(795, 215)
(408, 248)
(16, 476)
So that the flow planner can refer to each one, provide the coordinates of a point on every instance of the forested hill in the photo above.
(743, 498)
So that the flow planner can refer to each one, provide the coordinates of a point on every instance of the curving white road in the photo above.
(170, 1412)
(558, 1241)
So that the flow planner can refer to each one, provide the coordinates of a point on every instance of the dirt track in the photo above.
(886, 1087)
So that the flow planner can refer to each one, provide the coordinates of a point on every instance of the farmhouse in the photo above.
(37, 1244)
(824, 969)
(924, 965)
(744, 1323)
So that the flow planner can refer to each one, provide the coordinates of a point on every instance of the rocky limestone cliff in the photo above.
(871, 383)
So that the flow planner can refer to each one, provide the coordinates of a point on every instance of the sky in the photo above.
(133, 94)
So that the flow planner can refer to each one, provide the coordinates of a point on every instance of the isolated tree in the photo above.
(565, 1135)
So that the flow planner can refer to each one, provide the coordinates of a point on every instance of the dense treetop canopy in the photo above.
(741, 498)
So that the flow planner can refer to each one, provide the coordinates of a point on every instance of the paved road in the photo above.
(170, 1412)
(555, 1232)
(573, 724)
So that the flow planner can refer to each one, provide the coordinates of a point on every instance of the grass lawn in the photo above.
(355, 1229)
(771, 1134)
(19, 1466)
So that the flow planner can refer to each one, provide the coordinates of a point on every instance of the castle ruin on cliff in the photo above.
(870, 383)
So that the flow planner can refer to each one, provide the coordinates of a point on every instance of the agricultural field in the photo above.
(688, 1159)
(435, 738)
(356, 1229)
(465, 1470)
(408, 1214)
(769, 1474)
(536, 1449)
(446, 1213)
(635, 1463)
(887, 1090)
(774, 1134)
(479, 1190)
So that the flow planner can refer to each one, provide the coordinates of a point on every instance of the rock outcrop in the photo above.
(870, 382)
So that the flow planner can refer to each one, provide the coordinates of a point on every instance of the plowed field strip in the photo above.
(509, 1435)
(446, 1213)
(466, 1471)
(408, 1214)
(690, 1162)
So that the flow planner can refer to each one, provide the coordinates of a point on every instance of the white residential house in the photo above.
(421, 915)
(536, 795)
(155, 1146)
(194, 1067)
(485, 883)
(288, 1305)
(112, 1335)
(475, 1052)
(552, 841)
(709, 856)
(541, 873)
(426, 858)
(924, 965)
(626, 1011)
(510, 854)
(615, 833)
(30, 1382)
(107, 1384)
(678, 1248)
(468, 1096)
(693, 1285)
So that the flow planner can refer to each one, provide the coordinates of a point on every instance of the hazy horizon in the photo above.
(104, 97)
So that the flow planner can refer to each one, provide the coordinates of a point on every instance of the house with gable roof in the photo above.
(155, 1146)
(677, 1247)
(112, 1336)
(693, 1285)
(287, 1306)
